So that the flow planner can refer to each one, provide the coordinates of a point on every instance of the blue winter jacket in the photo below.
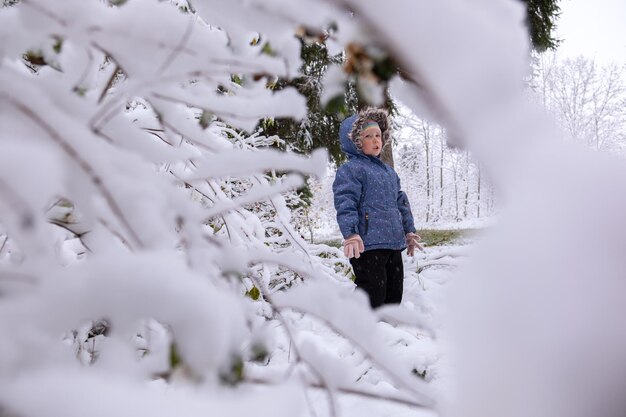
(368, 198)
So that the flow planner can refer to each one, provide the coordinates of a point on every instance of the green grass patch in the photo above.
(434, 237)
(335, 243)
(430, 237)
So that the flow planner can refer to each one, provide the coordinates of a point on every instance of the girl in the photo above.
(374, 215)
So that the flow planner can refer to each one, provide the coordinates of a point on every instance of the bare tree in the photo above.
(442, 148)
(427, 149)
(423, 160)
(588, 99)
(467, 189)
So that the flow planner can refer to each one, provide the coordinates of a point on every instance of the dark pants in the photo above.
(380, 273)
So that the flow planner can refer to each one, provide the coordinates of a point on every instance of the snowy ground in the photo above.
(426, 276)
(424, 292)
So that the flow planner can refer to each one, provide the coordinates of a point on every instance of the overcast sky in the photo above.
(594, 28)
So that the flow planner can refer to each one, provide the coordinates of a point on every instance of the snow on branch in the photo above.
(136, 188)
(236, 163)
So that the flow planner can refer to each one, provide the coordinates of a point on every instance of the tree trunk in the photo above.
(455, 168)
(428, 181)
(442, 145)
(387, 153)
(466, 198)
(478, 196)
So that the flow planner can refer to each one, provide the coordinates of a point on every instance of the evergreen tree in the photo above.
(321, 126)
(541, 18)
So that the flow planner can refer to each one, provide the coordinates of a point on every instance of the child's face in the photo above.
(372, 141)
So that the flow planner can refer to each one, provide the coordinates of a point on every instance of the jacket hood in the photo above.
(347, 146)
(351, 127)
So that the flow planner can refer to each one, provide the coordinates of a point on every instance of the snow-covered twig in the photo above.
(95, 179)
(293, 345)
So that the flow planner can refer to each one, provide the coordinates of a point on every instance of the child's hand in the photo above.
(412, 242)
(353, 246)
